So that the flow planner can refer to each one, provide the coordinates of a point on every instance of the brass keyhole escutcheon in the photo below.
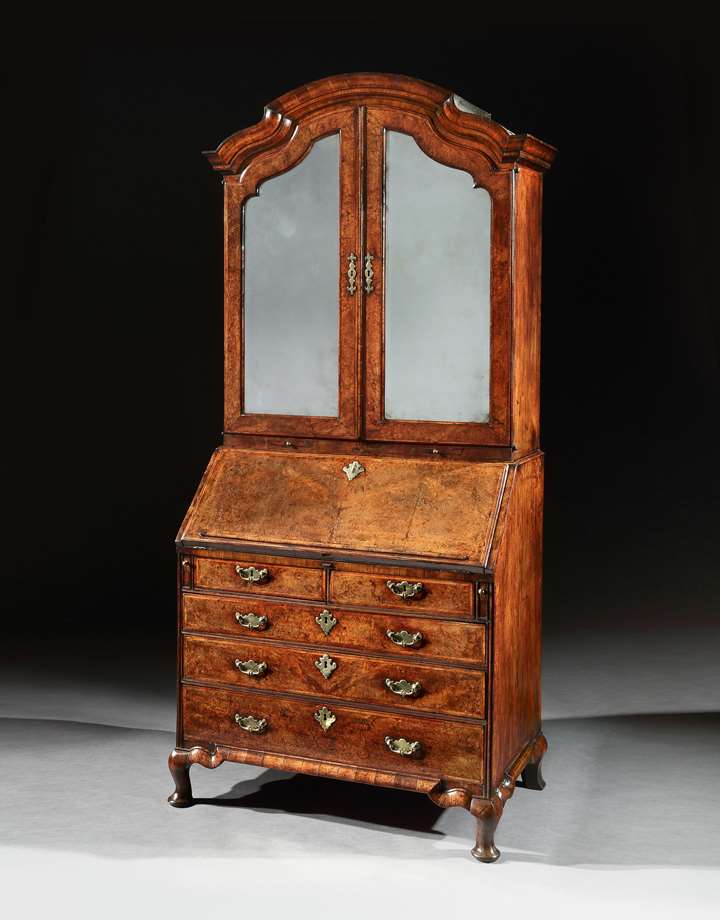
(326, 621)
(324, 717)
(325, 665)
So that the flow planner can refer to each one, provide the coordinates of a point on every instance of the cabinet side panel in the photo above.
(517, 620)
(526, 311)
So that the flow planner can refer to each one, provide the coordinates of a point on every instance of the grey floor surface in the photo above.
(629, 822)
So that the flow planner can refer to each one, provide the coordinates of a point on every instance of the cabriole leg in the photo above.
(179, 763)
(487, 814)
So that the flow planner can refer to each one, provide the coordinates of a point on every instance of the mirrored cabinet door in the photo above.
(437, 288)
(433, 216)
(290, 289)
(296, 239)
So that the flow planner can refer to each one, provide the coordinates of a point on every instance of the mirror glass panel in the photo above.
(291, 282)
(437, 289)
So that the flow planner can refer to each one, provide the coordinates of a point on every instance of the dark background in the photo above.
(114, 386)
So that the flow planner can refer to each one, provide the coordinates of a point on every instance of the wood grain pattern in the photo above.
(516, 654)
(356, 738)
(455, 506)
(446, 133)
(498, 184)
(488, 810)
(284, 580)
(356, 678)
(439, 597)
(526, 311)
(426, 508)
(461, 643)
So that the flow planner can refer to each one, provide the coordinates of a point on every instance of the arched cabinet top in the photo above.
(452, 118)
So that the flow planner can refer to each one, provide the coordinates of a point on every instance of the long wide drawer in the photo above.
(256, 577)
(356, 678)
(355, 736)
(265, 619)
(434, 595)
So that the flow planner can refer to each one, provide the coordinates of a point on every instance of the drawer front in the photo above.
(280, 580)
(356, 737)
(458, 642)
(446, 598)
(269, 666)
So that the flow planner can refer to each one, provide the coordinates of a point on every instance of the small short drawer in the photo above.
(333, 732)
(393, 632)
(256, 577)
(322, 672)
(434, 595)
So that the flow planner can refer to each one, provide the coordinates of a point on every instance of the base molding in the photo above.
(523, 771)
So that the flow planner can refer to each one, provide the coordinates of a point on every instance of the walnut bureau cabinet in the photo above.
(359, 572)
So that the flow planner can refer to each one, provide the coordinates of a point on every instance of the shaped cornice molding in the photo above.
(449, 115)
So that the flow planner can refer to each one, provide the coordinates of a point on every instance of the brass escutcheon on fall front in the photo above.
(353, 470)
(252, 575)
(405, 589)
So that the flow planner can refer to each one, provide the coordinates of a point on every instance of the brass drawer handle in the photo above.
(404, 638)
(251, 620)
(252, 575)
(404, 748)
(403, 687)
(405, 589)
(251, 668)
(251, 724)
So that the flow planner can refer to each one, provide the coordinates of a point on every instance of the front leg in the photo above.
(180, 763)
(487, 814)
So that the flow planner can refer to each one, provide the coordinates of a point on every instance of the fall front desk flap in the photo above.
(436, 509)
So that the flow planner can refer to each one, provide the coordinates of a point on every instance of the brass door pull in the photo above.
(369, 273)
(252, 575)
(402, 747)
(251, 620)
(405, 589)
(404, 638)
(251, 668)
(251, 724)
(403, 687)
(352, 273)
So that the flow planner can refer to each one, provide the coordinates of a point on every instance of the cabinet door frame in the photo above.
(238, 189)
(496, 431)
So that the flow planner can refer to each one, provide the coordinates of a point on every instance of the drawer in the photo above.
(447, 598)
(255, 577)
(356, 737)
(356, 678)
(459, 642)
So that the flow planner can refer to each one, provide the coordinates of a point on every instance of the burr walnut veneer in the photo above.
(359, 573)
